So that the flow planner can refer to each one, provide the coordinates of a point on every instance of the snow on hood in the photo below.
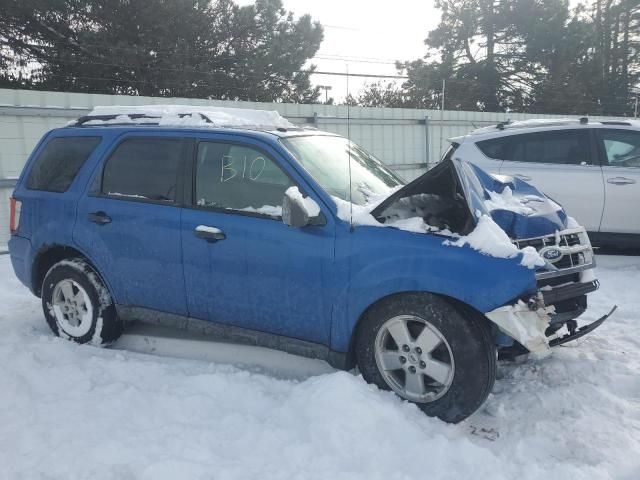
(504, 208)
(492, 240)
(487, 238)
(192, 116)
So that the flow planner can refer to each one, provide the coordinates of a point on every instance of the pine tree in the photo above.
(185, 48)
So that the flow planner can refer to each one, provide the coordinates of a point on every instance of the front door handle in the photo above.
(621, 180)
(100, 218)
(210, 234)
(522, 177)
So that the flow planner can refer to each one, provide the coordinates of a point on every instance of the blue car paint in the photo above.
(546, 218)
(312, 283)
(20, 248)
(385, 261)
(265, 276)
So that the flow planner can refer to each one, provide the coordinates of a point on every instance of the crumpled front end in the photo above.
(524, 324)
(548, 318)
(504, 217)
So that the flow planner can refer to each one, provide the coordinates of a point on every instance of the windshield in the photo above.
(325, 158)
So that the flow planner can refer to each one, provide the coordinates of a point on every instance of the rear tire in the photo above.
(428, 352)
(77, 305)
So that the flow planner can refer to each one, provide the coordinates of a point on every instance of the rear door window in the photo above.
(59, 162)
(144, 169)
(563, 147)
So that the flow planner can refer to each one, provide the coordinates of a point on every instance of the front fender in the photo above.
(422, 263)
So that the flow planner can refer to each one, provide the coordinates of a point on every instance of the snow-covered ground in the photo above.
(229, 412)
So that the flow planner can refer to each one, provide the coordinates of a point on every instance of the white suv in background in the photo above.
(590, 168)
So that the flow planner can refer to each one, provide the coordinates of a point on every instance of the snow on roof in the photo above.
(190, 116)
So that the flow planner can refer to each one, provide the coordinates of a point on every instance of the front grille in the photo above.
(574, 246)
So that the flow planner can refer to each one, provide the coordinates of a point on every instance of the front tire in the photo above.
(428, 352)
(77, 305)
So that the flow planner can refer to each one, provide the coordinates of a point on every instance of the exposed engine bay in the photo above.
(437, 198)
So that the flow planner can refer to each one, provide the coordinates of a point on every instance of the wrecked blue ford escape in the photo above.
(238, 224)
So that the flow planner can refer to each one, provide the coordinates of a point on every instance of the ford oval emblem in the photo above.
(551, 254)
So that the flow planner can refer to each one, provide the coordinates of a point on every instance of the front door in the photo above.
(129, 222)
(620, 149)
(562, 165)
(243, 266)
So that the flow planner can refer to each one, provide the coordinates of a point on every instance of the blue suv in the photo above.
(237, 224)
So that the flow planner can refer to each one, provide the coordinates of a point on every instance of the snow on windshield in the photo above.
(342, 168)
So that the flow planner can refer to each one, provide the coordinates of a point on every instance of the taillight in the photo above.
(14, 215)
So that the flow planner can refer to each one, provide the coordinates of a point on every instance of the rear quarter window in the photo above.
(57, 165)
(495, 148)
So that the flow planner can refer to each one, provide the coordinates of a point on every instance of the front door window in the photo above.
(241, 178)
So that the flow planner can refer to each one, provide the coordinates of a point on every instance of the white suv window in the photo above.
(565, 147)
(495, 148)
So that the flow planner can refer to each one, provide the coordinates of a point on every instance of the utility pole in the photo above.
(635, 111)
(442, 115)
(326, 89)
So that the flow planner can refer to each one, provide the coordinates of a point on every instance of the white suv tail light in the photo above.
(14, 214)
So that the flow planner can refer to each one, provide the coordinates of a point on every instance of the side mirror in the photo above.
(298, 211)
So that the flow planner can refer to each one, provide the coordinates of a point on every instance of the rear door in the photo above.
(620, 151)
(564, 166)
(128, 221)
(243, 265)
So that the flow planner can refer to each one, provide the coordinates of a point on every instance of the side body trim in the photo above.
(232, 334)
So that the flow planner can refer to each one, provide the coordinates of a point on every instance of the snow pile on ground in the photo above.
(78, 412)
(490, 239)
(193, 116)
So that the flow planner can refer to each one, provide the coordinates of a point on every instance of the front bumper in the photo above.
(563, 283)
(552, 296)
(582, 331)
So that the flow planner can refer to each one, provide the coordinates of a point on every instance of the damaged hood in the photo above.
(519, 208)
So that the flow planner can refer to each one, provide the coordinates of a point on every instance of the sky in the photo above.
(365, 36)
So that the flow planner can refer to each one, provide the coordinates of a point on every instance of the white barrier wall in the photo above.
(407, 140)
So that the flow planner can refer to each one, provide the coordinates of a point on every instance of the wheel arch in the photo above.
(458, 304)
(49, 255)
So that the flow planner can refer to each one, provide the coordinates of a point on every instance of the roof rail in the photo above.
(132, 117)
(614, 122)
(501, 125)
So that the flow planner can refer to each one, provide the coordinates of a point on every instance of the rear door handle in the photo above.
(522, 177)
(210, 234)
(100, 218)
(621, 180)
